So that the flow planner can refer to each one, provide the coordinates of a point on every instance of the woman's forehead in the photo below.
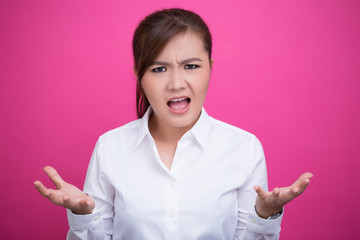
(183, 46)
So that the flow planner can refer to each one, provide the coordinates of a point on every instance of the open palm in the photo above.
(268, 203)
(65, 195)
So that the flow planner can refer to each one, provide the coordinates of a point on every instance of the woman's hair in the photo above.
(151, 37)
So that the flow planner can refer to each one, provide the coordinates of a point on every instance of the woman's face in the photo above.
(176, 83)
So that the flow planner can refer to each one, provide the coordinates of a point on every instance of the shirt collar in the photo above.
(143, 127)
(200, 130)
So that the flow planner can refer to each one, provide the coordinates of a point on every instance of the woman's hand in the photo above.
(66, 194)
(268, 203)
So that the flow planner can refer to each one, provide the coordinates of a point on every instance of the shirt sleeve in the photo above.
(98, 224)
(250, 225)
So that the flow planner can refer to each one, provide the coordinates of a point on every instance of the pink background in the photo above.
(287, 71)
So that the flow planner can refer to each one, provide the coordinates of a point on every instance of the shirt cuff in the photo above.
(263, 226)
(78, 221)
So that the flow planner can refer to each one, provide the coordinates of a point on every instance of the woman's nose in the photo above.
(176, 80)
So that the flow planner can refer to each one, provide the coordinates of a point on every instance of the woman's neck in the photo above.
(163, 132)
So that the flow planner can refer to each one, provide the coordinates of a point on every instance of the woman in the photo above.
(175, 173)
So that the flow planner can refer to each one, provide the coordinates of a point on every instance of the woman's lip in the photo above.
(180, 98)
(176, 98)
(180, 111)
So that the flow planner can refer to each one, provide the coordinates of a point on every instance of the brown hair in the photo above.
(151, 37)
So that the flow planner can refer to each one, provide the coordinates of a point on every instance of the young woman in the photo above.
(175, 173)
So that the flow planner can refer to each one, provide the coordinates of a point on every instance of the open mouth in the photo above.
(178, 104)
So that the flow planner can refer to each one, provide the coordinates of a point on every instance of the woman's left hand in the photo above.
(268, 203)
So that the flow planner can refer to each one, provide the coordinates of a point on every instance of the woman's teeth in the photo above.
(178, 100)
(179, 103)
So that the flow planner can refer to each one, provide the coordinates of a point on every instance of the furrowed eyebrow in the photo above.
(194, 59)
(186, 61)
(160, 63)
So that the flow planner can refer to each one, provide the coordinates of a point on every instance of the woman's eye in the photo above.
(191, 66)
(159, 69)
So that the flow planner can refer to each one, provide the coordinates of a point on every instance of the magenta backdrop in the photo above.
(287, 71)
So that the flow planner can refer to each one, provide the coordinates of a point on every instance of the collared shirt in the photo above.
(206, 194)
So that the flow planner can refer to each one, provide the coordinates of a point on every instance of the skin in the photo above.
(65, 194)
(182, 69)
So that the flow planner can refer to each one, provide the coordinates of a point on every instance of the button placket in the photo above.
(175, 204)
(172, 183)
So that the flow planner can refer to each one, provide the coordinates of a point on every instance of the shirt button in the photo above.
(96, 218)
(172, 215)
(172, 183)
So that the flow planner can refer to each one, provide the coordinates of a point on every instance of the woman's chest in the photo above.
(200, 187)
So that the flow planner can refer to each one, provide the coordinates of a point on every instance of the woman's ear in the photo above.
(211, 63)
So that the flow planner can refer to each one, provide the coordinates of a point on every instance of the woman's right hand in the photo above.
(65, 195)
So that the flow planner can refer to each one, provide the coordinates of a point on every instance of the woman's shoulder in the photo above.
(222, 129)
(126, 131)
(223, 126)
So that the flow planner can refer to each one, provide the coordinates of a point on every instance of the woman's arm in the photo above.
(90, 213)
(269, 203)
(65, 194)
(253, 224)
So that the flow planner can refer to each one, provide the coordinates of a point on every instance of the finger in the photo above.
(79, 205)
(299, 186)
(302, 182)
(54, 176)
(260, 192)
(85, 203)
(45, 192)
(295, 190)
(306, 176)
(71, 201)
(276, 193)
(41, 188)
(88, 203)
(53, 195)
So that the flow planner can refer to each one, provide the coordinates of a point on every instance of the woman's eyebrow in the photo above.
(185, 61)
(194, 59)
(160, 63)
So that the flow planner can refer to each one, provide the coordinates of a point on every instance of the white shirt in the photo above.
(207, 194)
